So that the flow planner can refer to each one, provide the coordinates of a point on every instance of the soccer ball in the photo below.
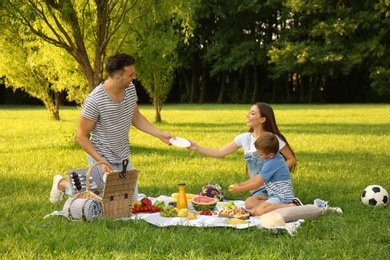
(375, 195)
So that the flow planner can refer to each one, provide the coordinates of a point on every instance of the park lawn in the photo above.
(341, 149)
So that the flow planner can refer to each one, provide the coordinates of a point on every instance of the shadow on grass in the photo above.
(337, 128)
(323, 128)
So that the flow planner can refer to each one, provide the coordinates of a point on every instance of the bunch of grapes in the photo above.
(168, 212)
(159, 204)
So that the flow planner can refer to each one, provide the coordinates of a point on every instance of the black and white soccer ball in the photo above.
(375, 195)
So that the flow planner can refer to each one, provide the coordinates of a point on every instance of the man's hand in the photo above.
(105, 168)
(165, 138)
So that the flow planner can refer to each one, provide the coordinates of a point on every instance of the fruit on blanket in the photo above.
(206, 212)
(168, 211)
(229, 205)
(145, 206)
(203, 203)
(183, 213)
(146, 202)
(191, 216)
(138, 203)
(159, 204)
(146, 209)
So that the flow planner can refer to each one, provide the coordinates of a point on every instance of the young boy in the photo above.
(274, 173)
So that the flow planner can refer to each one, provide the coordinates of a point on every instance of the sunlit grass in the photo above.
(340, 148)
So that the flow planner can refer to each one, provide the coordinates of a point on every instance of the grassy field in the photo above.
(340, 148)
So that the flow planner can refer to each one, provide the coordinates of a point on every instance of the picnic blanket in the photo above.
(206, 221)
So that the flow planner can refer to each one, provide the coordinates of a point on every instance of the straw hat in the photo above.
(272, 220)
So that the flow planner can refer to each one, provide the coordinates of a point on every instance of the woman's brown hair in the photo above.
(270, 123)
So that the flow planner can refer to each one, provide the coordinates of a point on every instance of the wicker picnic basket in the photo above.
(118, 192)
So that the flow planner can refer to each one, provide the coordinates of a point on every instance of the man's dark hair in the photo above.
(117, 62)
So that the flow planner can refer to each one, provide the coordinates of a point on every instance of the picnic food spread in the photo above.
(238, 213)
(202, 205)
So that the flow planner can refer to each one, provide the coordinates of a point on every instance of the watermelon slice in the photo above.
(203, 203)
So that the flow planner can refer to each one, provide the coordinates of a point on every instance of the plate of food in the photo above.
(180, 142)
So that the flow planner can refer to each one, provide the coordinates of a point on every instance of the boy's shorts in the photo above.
(275, 200)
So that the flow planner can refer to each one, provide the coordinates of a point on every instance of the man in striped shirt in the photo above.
(106, 116)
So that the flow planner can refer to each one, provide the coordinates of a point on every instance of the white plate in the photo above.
(180, 142)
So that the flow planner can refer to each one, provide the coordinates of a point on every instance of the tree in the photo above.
(324, 46)
(158, 35)
(86, 30)
(30, 64)
(233, 38)
(380, 62)
(23, 70)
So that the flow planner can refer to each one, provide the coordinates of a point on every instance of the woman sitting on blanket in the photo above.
(275, 174)
(260, 119)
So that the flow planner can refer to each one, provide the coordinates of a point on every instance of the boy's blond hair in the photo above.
(268, 143)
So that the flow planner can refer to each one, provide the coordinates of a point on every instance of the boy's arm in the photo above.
(251, 184)
(248, 182)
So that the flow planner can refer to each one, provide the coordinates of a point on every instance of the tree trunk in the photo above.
(300, 85)
(203, 85)
(51, 107)
(255, 85)
(247, 84)
(57, 100)
(222, 89)
(288, 84)
(87, 70)
(306, 82)
(187, 82)
(274, 91)
(156, 101)
(157, 116)
(311, 85)
(193, 84)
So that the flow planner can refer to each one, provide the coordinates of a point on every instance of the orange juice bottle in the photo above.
(181, 197)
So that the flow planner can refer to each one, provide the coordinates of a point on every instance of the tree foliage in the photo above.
(211, 51)
(157, 37)
(34, 66)
(85, 30)
(289, 51)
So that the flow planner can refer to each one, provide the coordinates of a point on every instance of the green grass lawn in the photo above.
(341, 149)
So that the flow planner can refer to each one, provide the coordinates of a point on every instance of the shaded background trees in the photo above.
(289, 51)
(201, 51)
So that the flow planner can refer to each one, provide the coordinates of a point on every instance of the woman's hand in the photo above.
(193, 146)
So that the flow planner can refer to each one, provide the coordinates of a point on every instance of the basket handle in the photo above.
(124, 168)
(87, 188)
